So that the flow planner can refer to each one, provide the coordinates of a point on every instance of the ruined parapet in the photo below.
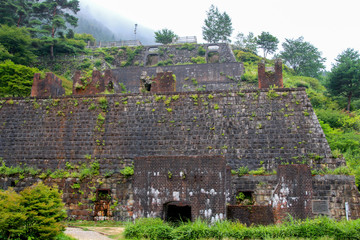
(98, 83)
(293, 193)
(270, 76)
(49, 86)
(163, 82)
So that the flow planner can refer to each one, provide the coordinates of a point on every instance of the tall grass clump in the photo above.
(148, 228)
(321, 227)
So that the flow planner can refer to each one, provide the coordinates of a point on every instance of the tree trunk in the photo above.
(52, 51)
(349, 101)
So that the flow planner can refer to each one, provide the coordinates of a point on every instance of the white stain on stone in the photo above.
(208, 213)
(176, 196)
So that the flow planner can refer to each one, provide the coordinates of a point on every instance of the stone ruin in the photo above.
(181, 145)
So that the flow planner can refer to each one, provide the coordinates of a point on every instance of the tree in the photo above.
(35, 213)
(16, 44)
(218, 26)
(44, 211)
(164, 36)
(302, 57)
(13, 217)
(246, 43)
(267, 42)
(344, 78)
(54, 16)
(16, 12)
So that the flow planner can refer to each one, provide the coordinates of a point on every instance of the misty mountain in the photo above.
(108, 26)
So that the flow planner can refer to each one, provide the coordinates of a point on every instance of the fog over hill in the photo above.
(109, 26)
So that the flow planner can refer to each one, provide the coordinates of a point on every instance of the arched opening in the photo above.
(102, 204)
(177, 212)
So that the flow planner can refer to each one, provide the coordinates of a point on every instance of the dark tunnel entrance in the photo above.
(177, 212)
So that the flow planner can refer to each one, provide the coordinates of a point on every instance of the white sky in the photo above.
(330, 25)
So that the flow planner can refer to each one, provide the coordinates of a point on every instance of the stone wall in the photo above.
(328, 195)
(81, 196)
(331, 192)
(210, 77)
(250, 128)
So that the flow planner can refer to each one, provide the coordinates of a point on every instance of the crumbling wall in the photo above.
(270, 77)
(197, 181)
(97, 83)
(49, 86)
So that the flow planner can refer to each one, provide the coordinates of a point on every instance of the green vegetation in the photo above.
(150, 228)
(164, 36)
(128, 171)
(217, 26)
(35, 213)
(16, 80)
(267, 42)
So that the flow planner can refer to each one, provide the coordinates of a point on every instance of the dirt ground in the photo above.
(95, 233)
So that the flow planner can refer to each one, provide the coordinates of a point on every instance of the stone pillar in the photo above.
(270, 76)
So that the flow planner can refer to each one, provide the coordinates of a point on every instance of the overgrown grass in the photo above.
(83, 223)
(310, 228)
(63, 236)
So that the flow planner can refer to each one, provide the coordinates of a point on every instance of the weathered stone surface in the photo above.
(201, 182)
(247, 128)
(98, 83)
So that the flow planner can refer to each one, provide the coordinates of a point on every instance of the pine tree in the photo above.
(53, 16)
(218, 26)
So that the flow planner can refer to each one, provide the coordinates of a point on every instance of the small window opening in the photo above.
(244, 198)
(152, 59)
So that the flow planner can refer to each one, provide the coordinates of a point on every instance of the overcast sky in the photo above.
(331, 26)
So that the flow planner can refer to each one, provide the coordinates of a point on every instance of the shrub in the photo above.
(198, 60)
(35, 213)
(127, 171)
(201, 51)
(16, 80)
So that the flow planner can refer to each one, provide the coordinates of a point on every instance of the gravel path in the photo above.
(80, 234)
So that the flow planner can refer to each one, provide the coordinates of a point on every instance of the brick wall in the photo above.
(49, 86)
(269, 76)
(293, 192)
(259, 215)
(199, 182)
